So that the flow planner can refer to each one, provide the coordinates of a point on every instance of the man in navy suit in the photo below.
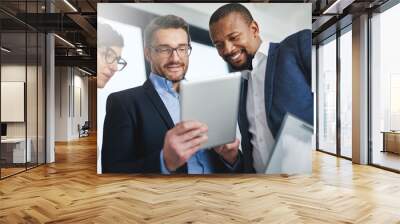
(276, 79)
(142, 128)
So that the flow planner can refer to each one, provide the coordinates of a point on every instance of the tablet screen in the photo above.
(214, 102)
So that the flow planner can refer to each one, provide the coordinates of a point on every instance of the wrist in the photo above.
(165, 162)
(168, 166)
(231, 159)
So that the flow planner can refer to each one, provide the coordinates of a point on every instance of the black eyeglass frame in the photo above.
(120, 61)
(171, 50)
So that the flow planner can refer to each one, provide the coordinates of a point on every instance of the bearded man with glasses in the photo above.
(142, 128)
(109, 50)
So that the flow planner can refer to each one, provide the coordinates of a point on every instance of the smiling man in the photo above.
(142, 132)
(276, 79)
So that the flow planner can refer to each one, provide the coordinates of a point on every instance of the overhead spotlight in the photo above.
(80, 51)
(337, 7)
(70, 5)
(5, 50)
(64, 40)
(84, 71)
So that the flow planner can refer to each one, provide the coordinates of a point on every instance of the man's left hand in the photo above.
(229, 151)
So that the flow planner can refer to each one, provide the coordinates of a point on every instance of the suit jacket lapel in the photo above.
(158, 103)
(242, 119)
(244, 130)
(269, 83)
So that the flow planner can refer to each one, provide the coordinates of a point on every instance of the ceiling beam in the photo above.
(86, 27)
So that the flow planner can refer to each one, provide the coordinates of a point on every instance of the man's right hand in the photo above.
(182, 141)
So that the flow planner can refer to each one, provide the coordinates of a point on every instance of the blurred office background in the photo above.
(48, 71)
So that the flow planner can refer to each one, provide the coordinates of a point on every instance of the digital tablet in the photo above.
(214, 102)
(292, 153)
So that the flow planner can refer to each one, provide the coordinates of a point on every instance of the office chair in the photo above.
(84, 130)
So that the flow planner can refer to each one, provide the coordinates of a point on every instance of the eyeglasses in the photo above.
(111, 57)
(166, 52)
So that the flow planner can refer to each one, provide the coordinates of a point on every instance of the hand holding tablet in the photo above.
(182, 141)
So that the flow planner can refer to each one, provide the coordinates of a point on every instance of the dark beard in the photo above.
(246, 66)
(173, 81)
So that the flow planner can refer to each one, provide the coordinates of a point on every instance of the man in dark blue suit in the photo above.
(276, 79)
(142, 128)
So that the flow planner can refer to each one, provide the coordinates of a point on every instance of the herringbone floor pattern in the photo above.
(70, 191)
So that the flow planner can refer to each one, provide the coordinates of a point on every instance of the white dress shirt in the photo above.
(262, 139)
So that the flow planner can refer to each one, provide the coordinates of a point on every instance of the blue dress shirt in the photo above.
(200, 162)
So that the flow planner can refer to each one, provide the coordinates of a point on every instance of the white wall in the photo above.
(80, 83)
(276, 20)
(61, 103)
(67, 115)
(16, 73)
(33, 125)
(12, 83)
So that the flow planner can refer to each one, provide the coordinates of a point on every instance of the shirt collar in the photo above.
(245, 74)
(262, 51)
(161, 83)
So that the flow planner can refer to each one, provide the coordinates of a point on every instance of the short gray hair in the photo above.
(164, 22)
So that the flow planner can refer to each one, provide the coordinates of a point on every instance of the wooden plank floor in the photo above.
(70, 191)
(10, 171)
